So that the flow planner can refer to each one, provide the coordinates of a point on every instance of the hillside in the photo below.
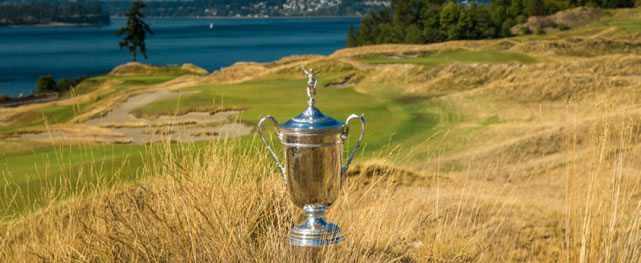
(251, 8)
(508, 150)
(39, 12)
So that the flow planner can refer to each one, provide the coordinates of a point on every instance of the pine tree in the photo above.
(467, 23)
(430, 16)
(535, 8)
(367, 30)
(352, 37)
(450, 15)
(413, 35)
(46, 84)
(136, 30)
(449, 19)
(387, 34)
(484, 24)
(405, 12)
(516, 8)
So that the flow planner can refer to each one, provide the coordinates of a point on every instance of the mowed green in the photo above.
(37, 175)
(455, 56)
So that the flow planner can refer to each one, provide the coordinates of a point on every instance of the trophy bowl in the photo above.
(313, 145)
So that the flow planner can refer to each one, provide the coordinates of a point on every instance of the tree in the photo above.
(136, 30)
(65, 85)
(388, 34)
(450, 15)
(352, 37)
(516, 8)
(484, 24)
(413, 35)
(467, 23)
(535, 8)
(46, 84)
(405, 12)
(367, 30)
(506, 26)
(430, 16)
(433, 35)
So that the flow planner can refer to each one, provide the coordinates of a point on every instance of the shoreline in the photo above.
(56, 24)
(83, 25)
(241, 17)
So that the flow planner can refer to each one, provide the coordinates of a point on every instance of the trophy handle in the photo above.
(358, 143)
(269, 148)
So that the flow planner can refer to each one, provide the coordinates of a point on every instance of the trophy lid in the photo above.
(312, 119)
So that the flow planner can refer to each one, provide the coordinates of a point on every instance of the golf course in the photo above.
(521, 149)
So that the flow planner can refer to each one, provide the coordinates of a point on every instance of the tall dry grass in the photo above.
(603, 190)
(220, 204)
(225, 203)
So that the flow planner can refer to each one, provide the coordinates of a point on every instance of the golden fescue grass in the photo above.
(603, 204)
(225, 203)
(139, 69)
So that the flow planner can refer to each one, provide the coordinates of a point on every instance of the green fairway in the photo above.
(463, 56)
(286, 98)
(32, 178)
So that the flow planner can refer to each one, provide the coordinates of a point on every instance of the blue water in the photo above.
(63, 52)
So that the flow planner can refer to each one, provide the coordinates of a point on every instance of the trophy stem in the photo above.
(315, 231)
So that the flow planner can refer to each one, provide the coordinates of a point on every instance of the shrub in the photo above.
(563, 27)
(539, 31)
(46, 84)
(65, 85)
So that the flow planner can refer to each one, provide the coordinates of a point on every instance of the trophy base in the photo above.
(315, 231)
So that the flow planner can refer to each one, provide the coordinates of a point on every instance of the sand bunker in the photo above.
(122, 113)
(120, 126)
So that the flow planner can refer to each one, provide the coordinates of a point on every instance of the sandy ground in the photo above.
(121, 113)
(120, 126)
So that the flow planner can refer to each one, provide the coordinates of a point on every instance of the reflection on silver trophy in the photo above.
(313, 146)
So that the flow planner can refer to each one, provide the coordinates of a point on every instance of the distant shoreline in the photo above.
(240, 17)
(56, 24)
(63, 24)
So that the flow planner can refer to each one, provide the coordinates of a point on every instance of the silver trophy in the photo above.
(313, 146)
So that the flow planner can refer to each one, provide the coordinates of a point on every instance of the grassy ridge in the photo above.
(455, 56)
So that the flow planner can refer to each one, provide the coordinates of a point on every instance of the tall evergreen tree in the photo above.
(449, 19)
(352, 37)
(535, 8)
(516, 8)
(467, 23)
(388, 34)
(46, 84)
(136, 30)
(450, 14)
(405, 12)
(413, 35)
(430, 17)
(484, 23)
(367, 30)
